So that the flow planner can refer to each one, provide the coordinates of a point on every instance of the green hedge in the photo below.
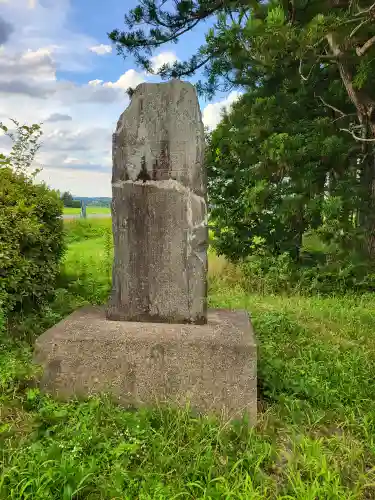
(31, 240)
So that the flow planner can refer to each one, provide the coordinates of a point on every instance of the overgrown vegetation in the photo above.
(291, 174)
(315, 437)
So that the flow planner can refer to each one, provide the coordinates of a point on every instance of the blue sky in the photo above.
(96, 18)
(57, 66)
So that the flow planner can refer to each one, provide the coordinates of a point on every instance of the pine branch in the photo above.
(362, 139)
(330, 106)
(366, 11)
(305, 78)
(361, 50)
(358, 27)
(168, 26)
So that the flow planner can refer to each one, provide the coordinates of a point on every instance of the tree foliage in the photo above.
(297, 152)
(25, 145)
(251, 34)
(269, 161)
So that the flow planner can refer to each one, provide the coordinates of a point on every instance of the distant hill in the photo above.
(96, 201)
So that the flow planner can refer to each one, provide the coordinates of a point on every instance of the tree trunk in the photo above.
(367, 210)
(365, 107)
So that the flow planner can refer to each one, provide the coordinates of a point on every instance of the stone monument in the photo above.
(155, 342)
(159, 208)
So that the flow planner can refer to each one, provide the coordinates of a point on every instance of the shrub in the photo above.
(338, 276)
(315, 273)
(31, 230)
(31, 239)
(266, 273)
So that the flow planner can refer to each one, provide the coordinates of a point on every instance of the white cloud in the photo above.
(78, 182)
(213, 113)
(33, 73)
(130, 78)
(163, 58)
(78, 119)
(36, 65)
(30, 3)
(47, 25)
(58, 117)
(71, 161)
(95, 82)
(101, 49)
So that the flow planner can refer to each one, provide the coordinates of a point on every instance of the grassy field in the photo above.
(315, 438)
(89, 210)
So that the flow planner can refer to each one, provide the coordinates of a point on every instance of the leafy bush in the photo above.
(316, 273)
(338, 276)
(31, 226)
(265, 273)
(31, 239)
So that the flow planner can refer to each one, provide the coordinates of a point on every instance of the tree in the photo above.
(252, 40)
(69, 201)
(167, 26)
(25, 145)
(268, 164)
(252, 33)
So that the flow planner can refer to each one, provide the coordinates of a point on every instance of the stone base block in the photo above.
(211, 367)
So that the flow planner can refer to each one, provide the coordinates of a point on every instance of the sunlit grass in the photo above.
(89, 210)
(315, 438)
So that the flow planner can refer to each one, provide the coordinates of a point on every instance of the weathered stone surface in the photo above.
(159, 208)
(212, 367)
(160, 136)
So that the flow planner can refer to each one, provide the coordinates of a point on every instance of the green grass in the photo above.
(79, 230)
(315, 438)
(89, 210)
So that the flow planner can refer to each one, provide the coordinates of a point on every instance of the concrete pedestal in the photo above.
(212, 367)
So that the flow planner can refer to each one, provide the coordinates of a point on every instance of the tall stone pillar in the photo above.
(159, 208)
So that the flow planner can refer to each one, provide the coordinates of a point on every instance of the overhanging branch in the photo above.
(341, 113)
(361, 50)
(365, 11)
(362, 139)
(358, 27)
(305, 78)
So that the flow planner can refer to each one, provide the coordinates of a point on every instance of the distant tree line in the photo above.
(75, 202)
(96, 201)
